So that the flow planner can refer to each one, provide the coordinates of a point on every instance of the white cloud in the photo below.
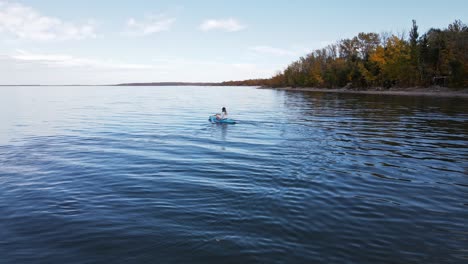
(26, 23)
(23, 67)
(273, 51)
(149, 25)
(62, 60)
(27, 67)
(229, 25)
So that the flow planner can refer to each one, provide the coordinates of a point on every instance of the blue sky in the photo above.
(104, 42)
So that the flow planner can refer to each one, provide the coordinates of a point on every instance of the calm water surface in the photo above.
(138, 175)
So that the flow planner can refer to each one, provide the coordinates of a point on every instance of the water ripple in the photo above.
(132, 175)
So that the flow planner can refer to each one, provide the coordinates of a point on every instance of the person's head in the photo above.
(224, 110)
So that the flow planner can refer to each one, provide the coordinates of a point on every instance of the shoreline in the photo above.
(432, 91)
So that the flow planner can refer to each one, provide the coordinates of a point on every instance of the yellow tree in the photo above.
(393, 61)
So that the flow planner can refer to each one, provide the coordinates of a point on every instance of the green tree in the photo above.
(414, 56)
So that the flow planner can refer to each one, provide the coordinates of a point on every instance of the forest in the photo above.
(368, 60)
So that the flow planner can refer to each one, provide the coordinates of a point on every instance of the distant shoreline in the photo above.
(171, 84)
(434, 91)
(134, 84)
(415, 91)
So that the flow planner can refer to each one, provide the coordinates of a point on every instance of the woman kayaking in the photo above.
(221, 118)
(223, 114)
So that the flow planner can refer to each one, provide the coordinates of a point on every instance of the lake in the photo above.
(139, 175)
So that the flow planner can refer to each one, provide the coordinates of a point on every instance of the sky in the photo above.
(108, 42)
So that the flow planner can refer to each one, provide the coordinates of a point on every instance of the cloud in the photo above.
(273, 51)
(24, 67)
(229, 25)
(26, 23)
(149, 25)
(62, 60)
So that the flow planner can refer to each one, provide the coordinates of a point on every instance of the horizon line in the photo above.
(131, 84)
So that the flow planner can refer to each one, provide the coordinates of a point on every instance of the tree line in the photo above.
(437, 57)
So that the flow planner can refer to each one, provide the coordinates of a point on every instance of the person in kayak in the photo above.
(223, 114)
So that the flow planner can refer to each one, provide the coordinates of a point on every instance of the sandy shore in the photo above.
(431, 91)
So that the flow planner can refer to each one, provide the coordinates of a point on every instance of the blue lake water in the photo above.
(139, 175)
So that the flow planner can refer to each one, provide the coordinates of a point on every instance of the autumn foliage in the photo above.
(438, 57)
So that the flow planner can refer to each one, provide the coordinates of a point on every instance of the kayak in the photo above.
(213, 119)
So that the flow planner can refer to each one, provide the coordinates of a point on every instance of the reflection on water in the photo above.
(220, 131)
(224, 129)
(137, 174)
